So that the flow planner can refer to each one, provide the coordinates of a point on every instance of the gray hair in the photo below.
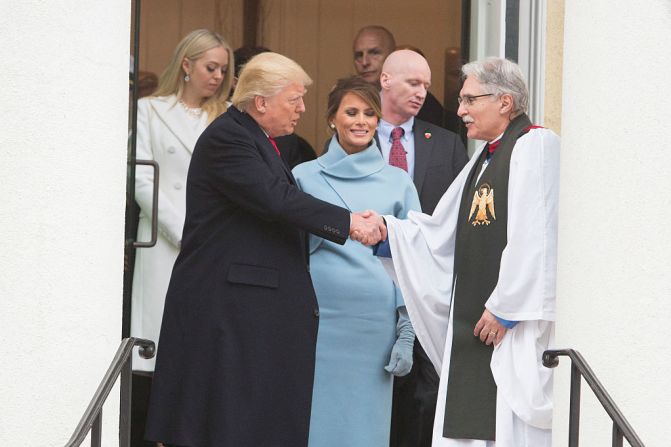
(500, 76)
(265, 75)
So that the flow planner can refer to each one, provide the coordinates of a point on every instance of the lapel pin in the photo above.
(427, 135)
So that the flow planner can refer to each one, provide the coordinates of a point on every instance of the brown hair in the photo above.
(358, 86)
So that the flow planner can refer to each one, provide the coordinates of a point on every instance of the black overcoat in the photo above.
(236, 352)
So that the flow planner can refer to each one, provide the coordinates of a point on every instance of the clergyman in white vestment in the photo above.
(500, 211)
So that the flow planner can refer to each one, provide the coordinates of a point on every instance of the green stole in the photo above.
(470, 411)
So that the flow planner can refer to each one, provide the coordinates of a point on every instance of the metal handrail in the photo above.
(154, 206)
(580, 368)
(121, 365)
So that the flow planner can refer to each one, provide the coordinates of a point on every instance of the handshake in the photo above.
(367, 227)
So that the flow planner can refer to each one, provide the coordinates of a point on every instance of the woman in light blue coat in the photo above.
(365, 336)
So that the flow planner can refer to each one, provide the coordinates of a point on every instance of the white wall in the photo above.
(63, 121)
(614, 291)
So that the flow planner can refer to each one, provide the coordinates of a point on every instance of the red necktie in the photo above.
(397, 154)
(272, 141)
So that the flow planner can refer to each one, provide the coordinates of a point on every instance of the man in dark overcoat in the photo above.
(237, 345)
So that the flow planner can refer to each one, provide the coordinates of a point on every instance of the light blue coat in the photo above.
(351, 403)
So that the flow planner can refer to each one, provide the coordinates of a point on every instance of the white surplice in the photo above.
(422, 265)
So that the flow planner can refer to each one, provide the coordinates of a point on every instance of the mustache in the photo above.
(467, 119)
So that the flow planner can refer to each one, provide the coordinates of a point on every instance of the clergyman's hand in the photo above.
(368, 227)
(379, 221)
(488, 329)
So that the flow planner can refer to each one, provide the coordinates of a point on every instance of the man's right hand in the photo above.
(367, 227)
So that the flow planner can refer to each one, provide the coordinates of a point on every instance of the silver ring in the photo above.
(492, 333)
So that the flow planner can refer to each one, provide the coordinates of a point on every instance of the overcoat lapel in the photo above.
(167, 110)
(423, 148)
(266, 149)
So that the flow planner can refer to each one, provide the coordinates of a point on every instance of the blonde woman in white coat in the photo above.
(191, 92)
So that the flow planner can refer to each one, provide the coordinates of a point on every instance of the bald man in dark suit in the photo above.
(372, 44)
(433, 157)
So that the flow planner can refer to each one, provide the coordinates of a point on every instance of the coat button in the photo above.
(178, 186)
(316, 312)
(171, 150)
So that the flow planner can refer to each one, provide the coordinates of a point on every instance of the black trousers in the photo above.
(138, 409)
(414, 403)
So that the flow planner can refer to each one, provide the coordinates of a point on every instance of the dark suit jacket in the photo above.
(236, 353)
(439, 157)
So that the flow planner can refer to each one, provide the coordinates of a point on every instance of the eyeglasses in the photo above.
(469, 100)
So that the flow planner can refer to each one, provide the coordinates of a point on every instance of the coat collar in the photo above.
(338, 164)
(177, 121)
(347, 175)
(262, 142)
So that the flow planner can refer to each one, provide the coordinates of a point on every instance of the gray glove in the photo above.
(400, 362)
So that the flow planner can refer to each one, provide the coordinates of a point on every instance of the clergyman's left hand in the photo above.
(489, 329)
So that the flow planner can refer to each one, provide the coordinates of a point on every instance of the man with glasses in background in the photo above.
(478, 276)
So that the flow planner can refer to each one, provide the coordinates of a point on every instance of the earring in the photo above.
(332, 126)
(187, 78)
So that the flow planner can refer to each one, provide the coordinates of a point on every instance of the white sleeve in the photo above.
(525, 291)
(521, 378)
(527, 277)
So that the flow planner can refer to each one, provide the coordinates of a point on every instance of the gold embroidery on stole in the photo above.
(483, 201)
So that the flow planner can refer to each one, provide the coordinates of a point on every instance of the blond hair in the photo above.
(192, 48)
(265, 75)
